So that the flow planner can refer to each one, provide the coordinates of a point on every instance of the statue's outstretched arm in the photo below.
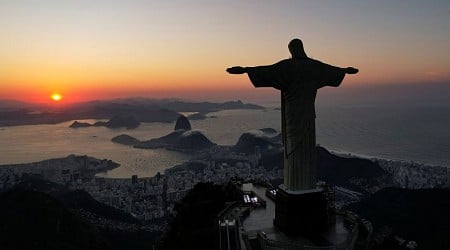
(237, 70)
(351, 70)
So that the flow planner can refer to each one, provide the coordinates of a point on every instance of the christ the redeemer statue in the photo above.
(298, 79)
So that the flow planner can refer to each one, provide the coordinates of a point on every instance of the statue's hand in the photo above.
(237, 70)
(351, 70)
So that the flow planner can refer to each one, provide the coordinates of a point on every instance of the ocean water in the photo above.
(420, 134)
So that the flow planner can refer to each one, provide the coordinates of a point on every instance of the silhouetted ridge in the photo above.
(143, 109)
(117, 121)
(205, 107)
(34, 220)
(266, 139)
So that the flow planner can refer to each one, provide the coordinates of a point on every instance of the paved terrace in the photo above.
(260, 221)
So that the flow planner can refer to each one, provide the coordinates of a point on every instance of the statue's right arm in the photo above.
(260, 76)
(351, 70)
(237, 70)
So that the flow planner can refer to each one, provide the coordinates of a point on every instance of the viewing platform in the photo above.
(258, 231)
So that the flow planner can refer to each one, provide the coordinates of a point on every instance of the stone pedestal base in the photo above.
(300, 212)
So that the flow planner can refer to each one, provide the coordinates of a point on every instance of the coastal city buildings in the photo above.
(146, 198)
(151, 199)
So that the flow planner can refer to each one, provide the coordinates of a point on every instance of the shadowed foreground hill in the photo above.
(75, 200)
(30, 214)
(362, 175)
(358, 174)
(34, 220)
(422, 215)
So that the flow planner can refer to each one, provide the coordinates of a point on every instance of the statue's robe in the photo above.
(298, 81)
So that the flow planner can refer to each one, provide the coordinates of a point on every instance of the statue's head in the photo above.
(296, 48)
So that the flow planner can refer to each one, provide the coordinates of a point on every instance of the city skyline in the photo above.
(87, 50)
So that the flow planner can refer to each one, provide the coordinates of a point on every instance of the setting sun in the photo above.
(56, 97)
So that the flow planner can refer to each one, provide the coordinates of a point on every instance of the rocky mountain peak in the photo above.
(182, 123)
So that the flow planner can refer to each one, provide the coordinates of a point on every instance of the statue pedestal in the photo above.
(300, 212)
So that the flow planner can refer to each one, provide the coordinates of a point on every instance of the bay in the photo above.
(419, 134)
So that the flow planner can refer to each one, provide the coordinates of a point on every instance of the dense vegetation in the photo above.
(422, 215)
(194, 226)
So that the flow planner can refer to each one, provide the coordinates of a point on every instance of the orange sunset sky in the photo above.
(107, 49)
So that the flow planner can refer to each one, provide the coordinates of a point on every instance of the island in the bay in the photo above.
(183, 138)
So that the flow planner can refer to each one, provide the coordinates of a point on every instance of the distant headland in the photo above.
(117, 121)
(141, 109)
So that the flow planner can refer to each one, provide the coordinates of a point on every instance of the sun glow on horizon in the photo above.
(112, 49)
(56, 97)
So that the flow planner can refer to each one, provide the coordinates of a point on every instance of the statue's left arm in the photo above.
(333, 76)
